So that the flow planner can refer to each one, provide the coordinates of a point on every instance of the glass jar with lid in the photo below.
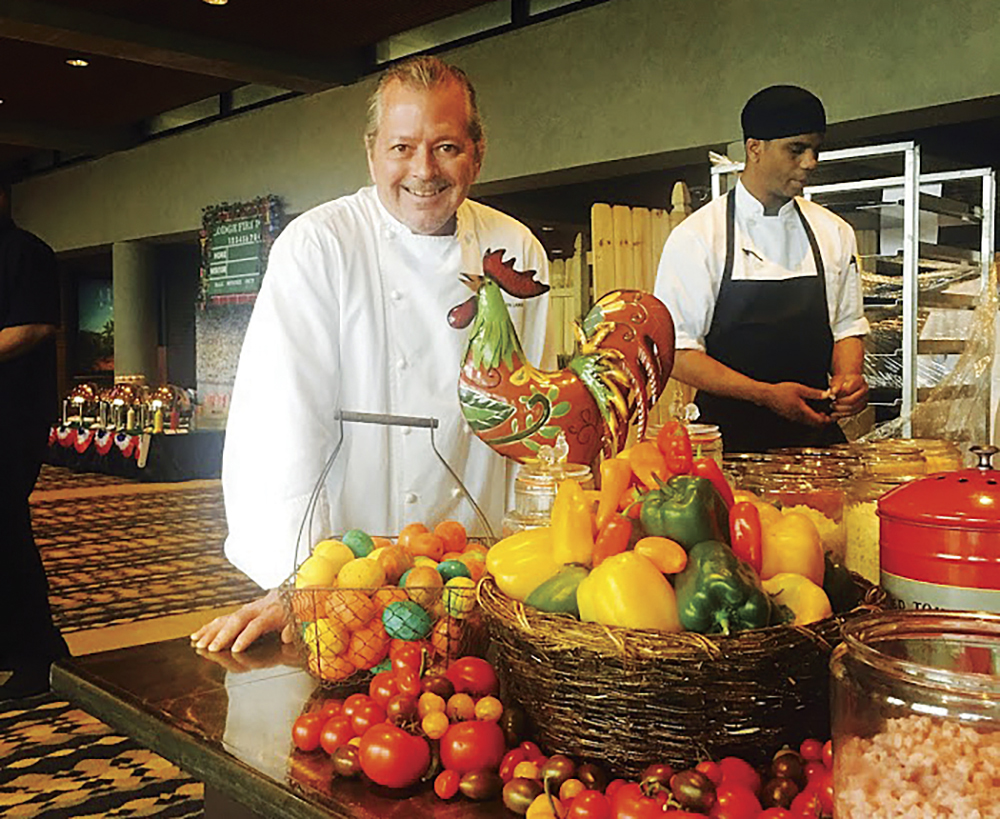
(736, 464)
(941, 455)
(861, 522)
(818, 492)
(916, 715)
(888, 458)
(536, 484)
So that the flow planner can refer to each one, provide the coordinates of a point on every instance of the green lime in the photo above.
(360, 543)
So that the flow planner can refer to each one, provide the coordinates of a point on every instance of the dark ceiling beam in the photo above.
(46, 137)
(36, 21)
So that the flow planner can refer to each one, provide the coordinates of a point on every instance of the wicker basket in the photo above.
(631, 697)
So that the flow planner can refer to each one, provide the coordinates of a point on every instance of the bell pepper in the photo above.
(522, 562)
(630, 503)
(687, 509)
(628, 590)
(792, 544)
(613, 539)
(717, 593)
(745, 533)
(615, 477)
(675, 444)
(667, 555)
(648, 464)
(572, 525)
(709, 468)
(557, 595)
(807, 601)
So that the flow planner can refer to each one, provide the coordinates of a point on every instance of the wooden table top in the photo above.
(226, 719)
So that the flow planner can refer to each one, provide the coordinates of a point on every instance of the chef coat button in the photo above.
(401, 364)
(412, 497)
(456, 492)
(407, 430)
(468, 238)
(395, 295)
(386, 232)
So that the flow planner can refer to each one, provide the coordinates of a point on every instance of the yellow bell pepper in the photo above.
(628, 590)
(807, 601)
(791, 544)
(572, 525)
(522, 562)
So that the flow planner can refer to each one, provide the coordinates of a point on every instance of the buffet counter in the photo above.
(161, 458)
(226, 720)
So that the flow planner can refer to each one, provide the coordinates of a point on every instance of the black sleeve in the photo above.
(30, 283)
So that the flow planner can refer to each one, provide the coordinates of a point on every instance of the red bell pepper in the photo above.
(745, 533)
(612, 539)
(709, 468)
(674, 443)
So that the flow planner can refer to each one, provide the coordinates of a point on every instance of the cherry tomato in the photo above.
(735, 802)
(589, 804)
(806, 805)
(446, 784)
(383, 687)
(306, 731)
(776, 813)
(472, 746)
(367, 715)
(331, 708)
(352, 702)
(336, 731)
(392, 757)
(473, 675)
(822, 785)
(815, 768)
(531, 751)
(736, 771)
(629, 802)
(408, 682)
(614, 786)
(811, 749)
(713, 770)
(509, 762)
(828, 754)
(407, 654)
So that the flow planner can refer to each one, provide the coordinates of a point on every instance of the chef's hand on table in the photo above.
(788, 399)
(849, 393)
(245, 625)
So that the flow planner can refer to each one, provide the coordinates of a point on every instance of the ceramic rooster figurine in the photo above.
(626, 352)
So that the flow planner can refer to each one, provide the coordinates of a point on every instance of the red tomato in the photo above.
(472, 675)
(332, 708)
(735, 802)
(408, 682)
(472, 746)
(811, 749)
(365, 716)
(776, 813)
(407, 654)
(531, 751)
(509, 762)
(828, 754)
(629, 802)
(736, 771)
(306, 730)
(336, 731)
(822, 785)
(383, 687)
(352, 702)
(589, 805)
(391, 757)
(446, 784)
(806, 805)
(613, 787)
(711, 769)
(815, 768)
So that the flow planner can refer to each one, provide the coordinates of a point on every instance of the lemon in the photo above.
(336, 552)
(459, 597)
(326, 636)
(361, 573)
(315, 571)
(423, 560)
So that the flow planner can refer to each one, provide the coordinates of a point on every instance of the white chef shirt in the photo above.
(352, 315)
(766, 248)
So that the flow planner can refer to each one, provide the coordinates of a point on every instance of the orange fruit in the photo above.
(475, 564)
(309, 605)
(446, 638)
(476, 547)
(369, 644)
(331, 669)
(427, 544)
(423, 585)
(389, 594)
(451, 556)
(350, 607)
(453, 534)
(395, 560)
(408, 532)
(380, 541)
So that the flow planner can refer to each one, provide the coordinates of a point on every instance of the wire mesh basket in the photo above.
(354, 596)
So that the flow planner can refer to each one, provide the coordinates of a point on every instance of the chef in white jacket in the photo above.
(352, 315)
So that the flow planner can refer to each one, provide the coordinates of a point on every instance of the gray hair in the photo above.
(424, 73)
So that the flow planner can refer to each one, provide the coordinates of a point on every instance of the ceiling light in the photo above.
(76, 62)
(216, 2)
(547, 228)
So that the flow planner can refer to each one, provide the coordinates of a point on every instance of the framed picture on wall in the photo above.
(95, 334)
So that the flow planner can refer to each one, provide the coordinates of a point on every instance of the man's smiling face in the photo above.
(422, 160)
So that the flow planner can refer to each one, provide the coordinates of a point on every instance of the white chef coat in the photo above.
(767, 248)
(352, 315)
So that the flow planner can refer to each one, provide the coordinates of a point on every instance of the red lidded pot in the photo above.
(940, 539)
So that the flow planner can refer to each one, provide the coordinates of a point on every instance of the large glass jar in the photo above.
(819, 492)
(889, 458)
(916, 716)
(861, 523)
(735, 465)
(941, 455)
(535, 489)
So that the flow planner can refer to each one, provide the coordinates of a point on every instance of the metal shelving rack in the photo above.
(913, 202)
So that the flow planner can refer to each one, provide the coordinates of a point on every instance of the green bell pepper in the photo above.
(717, 593)
(687, 509)
(557, 595)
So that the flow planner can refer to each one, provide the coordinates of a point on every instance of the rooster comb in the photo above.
(521, 284)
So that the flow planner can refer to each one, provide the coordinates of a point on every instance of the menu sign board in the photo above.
(235, 241)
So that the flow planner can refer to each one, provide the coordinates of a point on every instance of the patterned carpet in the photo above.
(58, 761)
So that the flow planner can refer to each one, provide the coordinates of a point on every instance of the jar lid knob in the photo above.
(985, 455)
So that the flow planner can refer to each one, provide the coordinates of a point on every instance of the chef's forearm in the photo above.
(704, 373)
(848, 356)
(21, 339)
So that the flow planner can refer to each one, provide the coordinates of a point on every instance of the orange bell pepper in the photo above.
(648, 464)
(612, 539)
(615, 477)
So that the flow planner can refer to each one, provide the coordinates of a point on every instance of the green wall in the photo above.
(620, 80)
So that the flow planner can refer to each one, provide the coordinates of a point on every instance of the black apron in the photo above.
(771, 331)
